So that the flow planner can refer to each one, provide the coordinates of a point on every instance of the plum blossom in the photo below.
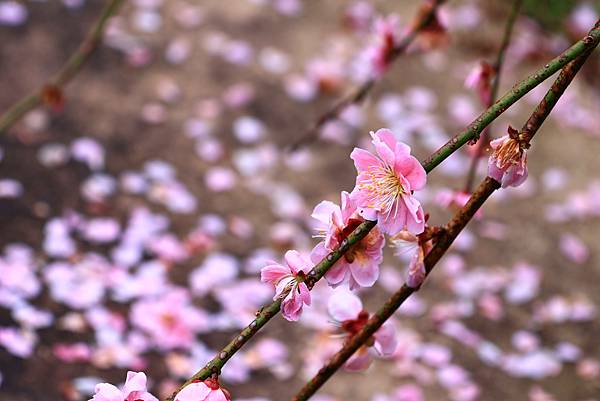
(289, 278)
(480, 80)
(508, 163)
(384, 185)
(386, 38)
(409, 244)
(360, 264)
(171, 320)
(347, 309)
(133, 390)
(207, 390)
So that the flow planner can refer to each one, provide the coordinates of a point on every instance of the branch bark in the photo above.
(69, 70)
(446, 238)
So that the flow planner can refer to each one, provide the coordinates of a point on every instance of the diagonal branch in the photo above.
(517, 92)
(359, 94)
(266, 313)
(497, 66)
(70, 69)
(444, 240)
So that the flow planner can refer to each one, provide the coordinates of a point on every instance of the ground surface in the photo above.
(105, 103)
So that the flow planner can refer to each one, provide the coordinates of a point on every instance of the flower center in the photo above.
(508, 153)
(383, 188)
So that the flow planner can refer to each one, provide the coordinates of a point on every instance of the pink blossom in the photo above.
(573, 248)
(407, 243)
(480, 79)
(384, 185)
(290, 278)
(386, 37)
(207, 390)
(133, 390)
(347, 309)
(360, 264)
(508, 163)
(171, 320)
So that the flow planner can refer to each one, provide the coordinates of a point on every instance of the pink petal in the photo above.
(297, 262)
(394, 222)
(197, 391)
(325, 212)
(274, 273)
(366, 274)
(385, 339)
(363, 160)
(304, 293)
(136, 381)
(348, 207)
(291, 307)
(216, 395)
(385, 151)
(107, 392)
(359, 361)
(344, 305)
(412, 170)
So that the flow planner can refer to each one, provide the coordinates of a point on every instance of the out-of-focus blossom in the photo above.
(508, 162)
(207, 390)
(133, 390)
(347, 309)
(289, 278)
(171, 320)
(386, 37)
(385, 185)
(480, 80)
(409, 244)
(360, 264)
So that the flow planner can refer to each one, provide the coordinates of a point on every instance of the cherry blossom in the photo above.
(360, 264)
(207, 390)
(385, 185)
(133, 390)
(288, 282)
(508, 162)
(347, 309)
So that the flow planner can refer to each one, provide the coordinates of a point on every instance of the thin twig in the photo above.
(497, 66)
(66, 73)
(264, 315)
(458, 222)
(517, 92)
(444, 240)
(359, 94)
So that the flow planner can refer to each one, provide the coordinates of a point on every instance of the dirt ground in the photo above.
(105, 100)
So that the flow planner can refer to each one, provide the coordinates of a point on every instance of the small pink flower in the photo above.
(480, 79)
(207, 390)
(384, 185)
(386, 38)
(407, 243)
(289, 278)
(133, 390)
(360, 264)
(508, 163)
(347, 309)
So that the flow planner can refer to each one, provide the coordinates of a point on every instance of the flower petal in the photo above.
(385, 339)
(197, 391)
(344, 305)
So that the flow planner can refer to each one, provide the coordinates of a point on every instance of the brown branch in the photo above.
(70, 69)
(446, 237)
(497, 66)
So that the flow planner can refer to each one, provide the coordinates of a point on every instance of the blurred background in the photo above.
(137, 209)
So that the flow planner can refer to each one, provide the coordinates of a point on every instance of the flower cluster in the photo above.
(384, 192)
